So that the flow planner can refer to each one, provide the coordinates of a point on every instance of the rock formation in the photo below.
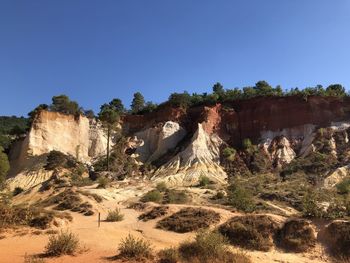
(200, 158)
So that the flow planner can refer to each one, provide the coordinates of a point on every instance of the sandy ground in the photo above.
(101, 243)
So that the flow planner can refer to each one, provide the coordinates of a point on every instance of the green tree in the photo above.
(218, 89)
(138, 103)
(182, 100)
(63, 104)
(335, 90)
(263, 88)
(4, 165)
(109, 115)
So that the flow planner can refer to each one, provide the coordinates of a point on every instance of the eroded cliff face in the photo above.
(77, 136)
(188, 144)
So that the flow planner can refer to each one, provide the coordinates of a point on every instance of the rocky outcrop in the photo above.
(76, 136)
(154, 142)
(200, 158)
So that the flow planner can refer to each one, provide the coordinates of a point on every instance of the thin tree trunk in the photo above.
(108, 135)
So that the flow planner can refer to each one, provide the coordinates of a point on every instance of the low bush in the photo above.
(135, 248)
(240, 197)
(209, 247)
(169, 255)
(338, 233)
(103, 182)
(344, 186)
(176, 197)
(138, 206)
(152, 196)
(114, 216)
(204, 181)
(155, 212)
(64, 243)
(296, 235)
(161, 187)
(189, 219)
(254, 232)
(57, 159)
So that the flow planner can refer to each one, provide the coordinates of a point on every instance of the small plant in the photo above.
(64, 243)
(114, 216)
(152, 196)
(229, 153)
(161, 187)
(137, 248)
(240, 197)
(169, 255)
(209, 247)
(344, 186)
(310, 207)
(17, 191)
(176, 197)
(204, 181)
(103, 182)
(247, 144)
(33, 259)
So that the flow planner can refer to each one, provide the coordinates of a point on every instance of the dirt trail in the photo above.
(102, 242)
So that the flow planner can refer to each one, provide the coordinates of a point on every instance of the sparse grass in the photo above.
(154, 213)
(210, 247)
(64, 243)
(169, 255)
(344, 186)
(176, 197)
(296, 235)
(33, 259)
(189, 219)
(103, 182)
(115, 216)
(254, 232)
(152, 196)
(135, 248)
(96, 197)
(24, 215)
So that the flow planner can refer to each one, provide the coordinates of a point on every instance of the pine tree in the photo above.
(138, 103)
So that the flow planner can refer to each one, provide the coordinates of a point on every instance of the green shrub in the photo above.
(169, 255)
(152, 196)
(247, 144)
(240, 197)
(204, 181)
(176, 197)
(135, 248)
(57, 159)
(189, 219)
(229, 153)
(344, 186)
(161, 187)
(103, 182)
(209, 247)
(114, 216)
(64, 243)
(310, 207)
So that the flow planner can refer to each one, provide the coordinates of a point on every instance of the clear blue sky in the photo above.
(96, 50)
